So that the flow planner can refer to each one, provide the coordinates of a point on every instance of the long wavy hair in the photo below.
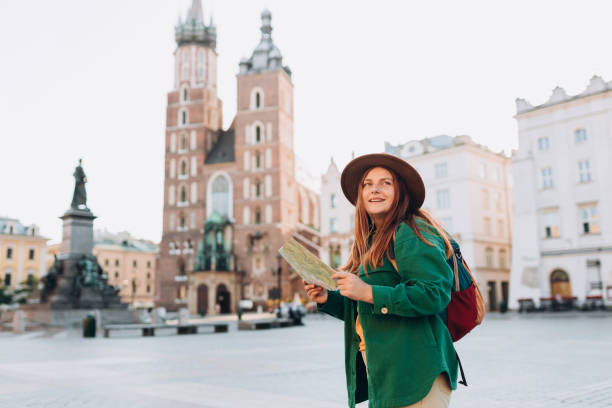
(370, 249)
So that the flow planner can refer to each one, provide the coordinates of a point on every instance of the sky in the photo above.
(89, 79)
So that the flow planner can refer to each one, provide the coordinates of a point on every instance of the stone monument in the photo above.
(76, 284)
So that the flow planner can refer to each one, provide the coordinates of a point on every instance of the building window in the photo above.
(489, 257)
(31, 254)
(257, 189)
(11, 230)
(134, 263)
(220, 196)
(332, 225)
(483, 171)
(186, 64)
(148, 288)
(201, 65)
(550, 221)
(9, 253)
(257, 134)
(185, 94)
(116, 262)
(500, 228)
(106, 262)
(487, 226)
(182, 224)
(588, 218)
(116, 275)
(441, 170)
(183, 117)
(502, 258)
(498, 201)
(257, 216)
(333, 201)
(257, 100)
(148, 275)
(543, 144)
(584, 171)
(183, 167)
(485, 199)
(7, 279)
(335, 256)
(183, 143)
(443, 197)
(257, 160)
(580, 135)
(547, 179)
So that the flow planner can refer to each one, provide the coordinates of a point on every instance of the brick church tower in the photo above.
(233, 198)
(193, 119)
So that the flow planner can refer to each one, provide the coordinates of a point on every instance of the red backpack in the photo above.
(466, 308)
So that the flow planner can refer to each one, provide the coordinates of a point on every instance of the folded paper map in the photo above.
(308, 266)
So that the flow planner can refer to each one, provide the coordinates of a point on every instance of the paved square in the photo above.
(538, 360)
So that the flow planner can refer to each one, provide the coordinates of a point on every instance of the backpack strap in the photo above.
(463, 379)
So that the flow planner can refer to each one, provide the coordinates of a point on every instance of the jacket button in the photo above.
(384, 310)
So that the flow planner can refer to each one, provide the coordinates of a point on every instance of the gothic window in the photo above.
(201, 65)
(257, 189)
(257, 134)
(257, 100)
(185, 65)
(183, 194)
(257, 215)
(257, 160)
(220, 195)
(183, 142)
(182, 221)
(183, 117)
(183, 167)
(185, 94)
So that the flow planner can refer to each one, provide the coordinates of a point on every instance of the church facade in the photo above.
(231, 197)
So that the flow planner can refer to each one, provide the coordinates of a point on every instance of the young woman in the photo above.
(398, 352)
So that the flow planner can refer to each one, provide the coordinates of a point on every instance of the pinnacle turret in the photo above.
(193, 30)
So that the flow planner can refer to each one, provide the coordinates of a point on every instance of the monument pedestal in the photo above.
(76, 284)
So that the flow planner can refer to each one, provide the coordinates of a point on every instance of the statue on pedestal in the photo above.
(79, 198)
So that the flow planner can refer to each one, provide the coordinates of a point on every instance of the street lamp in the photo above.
(278, 272)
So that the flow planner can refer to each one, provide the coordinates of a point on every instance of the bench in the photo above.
(526, 305)
(148, 329)
(594, 302)
(264, 324)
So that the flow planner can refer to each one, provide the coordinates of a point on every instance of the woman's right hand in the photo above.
(315, 293)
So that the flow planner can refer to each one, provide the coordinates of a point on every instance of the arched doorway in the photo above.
(560, 283)
(202, 299)
(223, 299)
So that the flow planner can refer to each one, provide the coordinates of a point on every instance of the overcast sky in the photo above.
(89, 79)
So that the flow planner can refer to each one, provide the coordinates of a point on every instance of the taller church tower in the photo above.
(193, 121)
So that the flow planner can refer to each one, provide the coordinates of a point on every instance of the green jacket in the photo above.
(407, 343)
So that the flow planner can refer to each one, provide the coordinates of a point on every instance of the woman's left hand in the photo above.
(352, 287)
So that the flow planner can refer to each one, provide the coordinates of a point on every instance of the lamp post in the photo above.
(278, 273)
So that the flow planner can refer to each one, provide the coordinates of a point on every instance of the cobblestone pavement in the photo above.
(531, 361)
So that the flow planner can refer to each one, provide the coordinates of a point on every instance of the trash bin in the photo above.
(503, 307)
(89, 326)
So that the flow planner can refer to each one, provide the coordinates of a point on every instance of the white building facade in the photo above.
(337, 219)
(563, 226)
(468, 188)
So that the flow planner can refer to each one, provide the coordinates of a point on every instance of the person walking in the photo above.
(398, 351)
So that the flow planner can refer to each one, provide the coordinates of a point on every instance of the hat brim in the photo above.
(353, 172)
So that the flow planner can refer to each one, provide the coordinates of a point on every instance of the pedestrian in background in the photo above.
(398, 351)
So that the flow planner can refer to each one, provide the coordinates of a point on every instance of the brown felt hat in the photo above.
(352, 173)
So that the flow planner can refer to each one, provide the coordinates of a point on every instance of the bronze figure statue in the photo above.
(79, 198)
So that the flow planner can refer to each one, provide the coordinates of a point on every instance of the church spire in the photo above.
(266, 56)
(193, 30)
